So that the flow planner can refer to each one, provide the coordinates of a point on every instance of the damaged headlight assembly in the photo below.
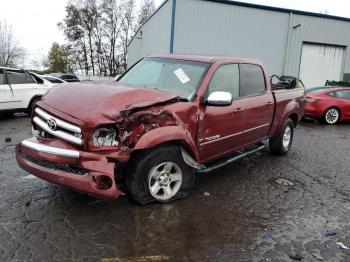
(104, 137)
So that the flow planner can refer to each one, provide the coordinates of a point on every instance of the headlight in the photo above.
(104, 137)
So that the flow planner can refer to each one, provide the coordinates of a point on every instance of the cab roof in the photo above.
(207, 59)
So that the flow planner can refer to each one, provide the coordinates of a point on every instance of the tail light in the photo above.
(312, 100)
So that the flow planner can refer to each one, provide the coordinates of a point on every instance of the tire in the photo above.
(331, 116)
(31, 105)
(281, 144)
(159, 175)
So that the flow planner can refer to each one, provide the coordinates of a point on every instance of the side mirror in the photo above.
(219, 98)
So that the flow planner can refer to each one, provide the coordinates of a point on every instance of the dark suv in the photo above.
(66, 77)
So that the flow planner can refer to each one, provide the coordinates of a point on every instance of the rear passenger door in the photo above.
(257, 103)
(22, 85)
(7, 99)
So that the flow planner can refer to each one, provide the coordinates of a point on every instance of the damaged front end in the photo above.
(88, 161)
(133, 126)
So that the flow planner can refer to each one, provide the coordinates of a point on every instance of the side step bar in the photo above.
(236, 157)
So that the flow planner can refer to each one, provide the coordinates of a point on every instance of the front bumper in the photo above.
(54, 161)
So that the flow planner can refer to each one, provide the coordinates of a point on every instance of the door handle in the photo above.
(238, 109)
(268, 103)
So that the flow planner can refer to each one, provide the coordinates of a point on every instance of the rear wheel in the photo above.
(331, 116)
(159, 175)
(281, 144)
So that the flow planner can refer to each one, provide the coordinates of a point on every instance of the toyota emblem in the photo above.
(51, 123)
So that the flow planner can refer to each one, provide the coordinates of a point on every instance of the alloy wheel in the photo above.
(287, 137)
(164, 181)
(332, 116)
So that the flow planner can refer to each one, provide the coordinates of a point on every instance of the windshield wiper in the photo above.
(181, 99)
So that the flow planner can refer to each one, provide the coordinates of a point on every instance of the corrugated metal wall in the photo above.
(155, 36)
(219, 29)
(317, 30)
(204, 27)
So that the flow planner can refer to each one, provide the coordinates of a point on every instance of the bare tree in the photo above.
(146, 10)
(10, 50)
(99, 31)
(128, 28)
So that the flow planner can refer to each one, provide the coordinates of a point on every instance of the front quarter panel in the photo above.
(166, 134)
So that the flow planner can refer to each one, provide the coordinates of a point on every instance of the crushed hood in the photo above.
(102, 102)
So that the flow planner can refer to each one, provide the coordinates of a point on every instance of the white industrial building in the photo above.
(290, 42)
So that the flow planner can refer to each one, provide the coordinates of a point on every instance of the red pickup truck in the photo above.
(166, 119)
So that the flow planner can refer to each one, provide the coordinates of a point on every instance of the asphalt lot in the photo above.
(262, 208)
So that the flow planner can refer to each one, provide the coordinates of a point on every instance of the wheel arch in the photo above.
(294, 118)
(32, 100)
(170, 135)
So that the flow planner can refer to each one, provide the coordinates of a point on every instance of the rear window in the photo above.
(69, 77)
(18, 77)
(252, 80)
(344, 94)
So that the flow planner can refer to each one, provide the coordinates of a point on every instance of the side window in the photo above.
(252, 80)
(2, 77)
(333, 94)
(345, 94)
(18, 77)
(226, 78)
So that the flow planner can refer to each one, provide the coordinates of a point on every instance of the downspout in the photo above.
(286, 55)
(172, 34)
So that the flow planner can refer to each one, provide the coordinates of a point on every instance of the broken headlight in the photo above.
(103, 137)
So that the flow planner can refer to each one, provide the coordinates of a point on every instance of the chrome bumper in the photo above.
(50, 150)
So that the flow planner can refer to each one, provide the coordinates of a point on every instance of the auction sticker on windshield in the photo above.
(181, 75)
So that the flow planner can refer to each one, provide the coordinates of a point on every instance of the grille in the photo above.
(60, 167)
(51, 126)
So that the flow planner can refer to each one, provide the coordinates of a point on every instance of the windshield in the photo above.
(171, 75)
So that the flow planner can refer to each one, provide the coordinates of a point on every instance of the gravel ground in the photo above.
(262, 208)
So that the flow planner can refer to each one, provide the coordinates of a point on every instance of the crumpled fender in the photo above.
(166, 134)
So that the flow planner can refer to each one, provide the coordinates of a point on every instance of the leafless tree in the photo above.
(99, 31)
(146, 10)
(10, 50)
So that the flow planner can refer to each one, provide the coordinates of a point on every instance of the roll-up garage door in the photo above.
(320, 63)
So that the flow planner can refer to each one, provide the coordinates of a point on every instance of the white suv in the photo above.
(20, 89)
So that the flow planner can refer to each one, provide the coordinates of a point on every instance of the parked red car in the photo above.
(167, 118)
(329, 104)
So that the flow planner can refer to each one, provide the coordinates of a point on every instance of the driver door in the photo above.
(23, 86)
(221, 127)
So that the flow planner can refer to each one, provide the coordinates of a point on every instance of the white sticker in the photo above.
(181, 75)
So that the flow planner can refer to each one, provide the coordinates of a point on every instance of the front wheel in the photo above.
(331, 116)
(159, 175)
(281, 144)
(31, 105)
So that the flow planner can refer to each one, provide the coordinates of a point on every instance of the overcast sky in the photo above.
(35, 21)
